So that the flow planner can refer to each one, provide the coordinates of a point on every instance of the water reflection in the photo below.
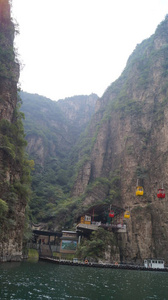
(49, 281)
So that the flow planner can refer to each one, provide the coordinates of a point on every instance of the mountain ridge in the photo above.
(120, 146)
(52, 130)
(130, 123)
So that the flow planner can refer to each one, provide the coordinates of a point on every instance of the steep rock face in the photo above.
(65, 120)
(130, 130)
(78, 109)
(9, 69)
(12, 204)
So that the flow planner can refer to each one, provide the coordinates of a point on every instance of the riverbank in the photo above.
(100, 265)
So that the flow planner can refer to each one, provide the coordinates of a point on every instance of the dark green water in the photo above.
(42, 280)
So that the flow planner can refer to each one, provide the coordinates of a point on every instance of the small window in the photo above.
(87, 218)
(160, 262)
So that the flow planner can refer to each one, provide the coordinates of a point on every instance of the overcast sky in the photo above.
(79, 47)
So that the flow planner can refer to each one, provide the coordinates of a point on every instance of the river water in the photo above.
(43, 280)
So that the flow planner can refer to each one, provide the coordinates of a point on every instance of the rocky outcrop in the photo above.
(130, 130)
(53, 128)
(78, 109)
(12, 198)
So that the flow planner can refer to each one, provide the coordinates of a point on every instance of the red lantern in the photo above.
(111, 214)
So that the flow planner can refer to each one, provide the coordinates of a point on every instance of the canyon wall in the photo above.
(12, 162)
(130, 128)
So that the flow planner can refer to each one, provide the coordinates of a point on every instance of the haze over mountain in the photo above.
(126, 141)
(89, 152)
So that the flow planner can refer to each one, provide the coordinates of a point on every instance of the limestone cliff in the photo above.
(52, 130)
(9, 69)
(78, 109)
(130, 129)
(12, 197)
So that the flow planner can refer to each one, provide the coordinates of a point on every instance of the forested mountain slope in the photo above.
(52, 131)
(125, 142)
(87, 151)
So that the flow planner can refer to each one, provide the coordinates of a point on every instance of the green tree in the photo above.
(95, 247)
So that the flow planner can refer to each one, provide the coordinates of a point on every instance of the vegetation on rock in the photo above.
(52, 131)
(85, 156)
(94, 248)
(14, 164)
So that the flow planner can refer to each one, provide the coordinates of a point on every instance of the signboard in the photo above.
(68, 245)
